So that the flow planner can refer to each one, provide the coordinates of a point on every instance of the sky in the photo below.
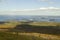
(29, 7)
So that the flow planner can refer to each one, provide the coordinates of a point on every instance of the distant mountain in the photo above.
(30, 18)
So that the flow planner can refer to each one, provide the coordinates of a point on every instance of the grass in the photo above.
(13, 24)
(30, 31)
(45, 24)
(10, 36)
(26, 36)
(9, 25)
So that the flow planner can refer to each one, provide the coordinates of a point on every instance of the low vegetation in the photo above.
(10, 36)
(30, 31)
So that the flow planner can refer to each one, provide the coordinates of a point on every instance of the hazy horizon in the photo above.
(30, 7)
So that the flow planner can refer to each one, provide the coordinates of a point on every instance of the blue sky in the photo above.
(27, 4)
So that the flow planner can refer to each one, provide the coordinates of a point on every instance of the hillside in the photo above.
(33, 30)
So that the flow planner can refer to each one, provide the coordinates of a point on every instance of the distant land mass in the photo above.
(35, 18)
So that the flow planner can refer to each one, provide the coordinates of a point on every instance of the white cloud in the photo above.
(49, 8)
(25, 10)
(37, 11)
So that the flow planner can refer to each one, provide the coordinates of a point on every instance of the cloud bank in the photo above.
(38, 11)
